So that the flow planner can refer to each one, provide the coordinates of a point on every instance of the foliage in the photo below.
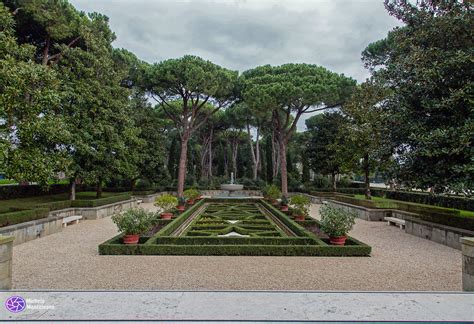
(271, 192)
(287, 92)
(100, 201)
(336, 221)
(427, 66)
(166, 202)
(195, 83)
(32, 128)
(133, 221)
(21, 216)
(329, 151)
(300, 205)
(191, 193)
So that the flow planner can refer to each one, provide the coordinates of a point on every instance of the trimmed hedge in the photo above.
(22, 216)
(56, 205)
(109, 248)
(83, 203)
(427, 199)
(21, 191)
(305, 244)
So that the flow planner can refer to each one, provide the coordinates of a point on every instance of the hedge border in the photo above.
(83, 203)
(306, 244)
(23, 216)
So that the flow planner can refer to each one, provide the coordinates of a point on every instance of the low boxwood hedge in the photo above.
(236, 250)
(21, 216)
(266, 243)
(56, 205)
(83, 203)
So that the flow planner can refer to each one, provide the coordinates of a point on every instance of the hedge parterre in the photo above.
(258, 229)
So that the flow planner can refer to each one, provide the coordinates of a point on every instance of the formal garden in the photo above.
(189, 158)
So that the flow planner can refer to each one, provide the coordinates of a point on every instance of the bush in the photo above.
(300, 205)
(336, 221)
(55, 205)
(271, 192)
(462, 203)
(166, 202)
(133, 221)
(191, 194)
(99, 202)
(321, 181)
(20, 191)
(22, 216)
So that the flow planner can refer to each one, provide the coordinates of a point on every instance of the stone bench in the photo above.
(71, 219)
(395, 221)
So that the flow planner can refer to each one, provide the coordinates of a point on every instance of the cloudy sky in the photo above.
(241, 34)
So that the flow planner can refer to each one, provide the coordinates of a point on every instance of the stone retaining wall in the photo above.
(467, 263)
(364, 213)
(438, 233)
(6, 255)
(32, 230)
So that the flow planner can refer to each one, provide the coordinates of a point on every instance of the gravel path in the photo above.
(69, 260)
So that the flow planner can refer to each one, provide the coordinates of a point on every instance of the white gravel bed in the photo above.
(399, 262)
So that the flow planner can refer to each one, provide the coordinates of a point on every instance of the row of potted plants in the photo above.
(335, 222)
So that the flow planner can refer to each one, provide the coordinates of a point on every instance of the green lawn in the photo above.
(388, 203)
(31, 202)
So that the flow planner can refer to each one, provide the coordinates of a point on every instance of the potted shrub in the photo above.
(167, 203)
(272, 193)
(336, 223)
(284, 204)
(191, 195)
(300, 205)
(181, 204)
(132, 223)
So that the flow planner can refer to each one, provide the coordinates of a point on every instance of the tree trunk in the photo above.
(46, 50)
(255, 154)
(72, 189)
(366, 175)
(284, 175)
(334, 181)
(182, 164)
(235, 150)
(99, 188)
(209, 165)
(132, 184)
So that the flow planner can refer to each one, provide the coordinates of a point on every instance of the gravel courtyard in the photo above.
(400, 262)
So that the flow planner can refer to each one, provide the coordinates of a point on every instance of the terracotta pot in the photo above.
(284, 208)
(299, 218)
(131, 239)
(166, 215)
(337, 240)
(180, 208)
(274, 202)
(191, 202)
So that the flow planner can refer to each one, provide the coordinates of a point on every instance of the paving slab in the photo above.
(241, 306)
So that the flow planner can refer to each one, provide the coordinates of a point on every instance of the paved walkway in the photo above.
(399, 262)
(249, 306)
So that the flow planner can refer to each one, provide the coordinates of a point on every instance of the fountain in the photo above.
(231, 187)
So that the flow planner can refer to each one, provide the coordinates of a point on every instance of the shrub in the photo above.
(284, 201)
(133, 221)
(300, 205)
(191, 194)
(271, 192)
(336, 221)
(166, 202)
(22, 216)
(321, 181)
(99, 202)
